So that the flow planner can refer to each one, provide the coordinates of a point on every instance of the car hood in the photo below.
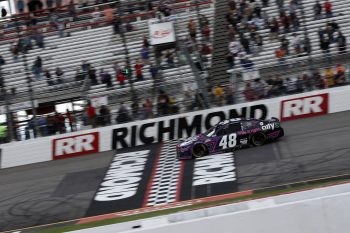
(190, 140)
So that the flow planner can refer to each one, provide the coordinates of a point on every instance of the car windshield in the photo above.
(210, 132)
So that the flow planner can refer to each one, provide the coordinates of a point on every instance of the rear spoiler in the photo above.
(275, 119)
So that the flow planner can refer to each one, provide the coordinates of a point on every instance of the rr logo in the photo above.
(308, 106)
(75, 145)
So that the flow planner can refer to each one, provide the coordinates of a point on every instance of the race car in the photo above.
(229, 135)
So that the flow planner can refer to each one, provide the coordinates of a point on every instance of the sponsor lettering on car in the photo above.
(269, 126)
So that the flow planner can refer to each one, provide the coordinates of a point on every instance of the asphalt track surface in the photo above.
(62, 190)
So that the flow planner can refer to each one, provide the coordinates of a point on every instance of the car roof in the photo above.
(224, 122)
(236, 120)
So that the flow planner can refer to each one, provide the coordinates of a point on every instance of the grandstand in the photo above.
(89, 37)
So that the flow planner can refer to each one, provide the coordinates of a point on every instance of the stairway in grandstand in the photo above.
(218, 72)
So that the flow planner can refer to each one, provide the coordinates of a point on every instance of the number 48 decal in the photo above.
(228, 141)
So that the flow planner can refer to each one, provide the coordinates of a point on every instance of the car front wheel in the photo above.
(199, 151)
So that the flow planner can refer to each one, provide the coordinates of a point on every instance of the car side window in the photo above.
(221, 132)
(249, 124)
(234, 127)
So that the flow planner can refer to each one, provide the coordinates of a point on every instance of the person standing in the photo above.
(328, 8)
(61, 127)
(329, 77)
(91, 114)
(163, 103)
(71, 121)
(192, 29)
(145, 55)
(138, 71)
(108, 79)
(58, 3)
(37, 68)
(135, 110)
(280, 54)
(121, 78)
(280, 3)
(123, 114)
(20, 6)
(153, 71)
(48, 77)
(318, 10)
(145, 42)
(148, 109)
(285, 44)
(59, 73)
(341, 43)
(109, 15)
(116, 25)
(49, 4)
(15, 51)
(128, 72)
(71, 9)
(92, 76)
(105, 115)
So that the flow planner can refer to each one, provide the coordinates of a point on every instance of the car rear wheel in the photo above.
(199, 150)
(259, 139)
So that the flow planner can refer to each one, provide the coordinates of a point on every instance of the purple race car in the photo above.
(228, 135)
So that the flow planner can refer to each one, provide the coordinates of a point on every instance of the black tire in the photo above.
(259, 139)
(199, 151)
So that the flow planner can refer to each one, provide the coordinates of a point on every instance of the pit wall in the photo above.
(292, 107)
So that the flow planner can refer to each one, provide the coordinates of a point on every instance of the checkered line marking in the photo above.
(165, 181)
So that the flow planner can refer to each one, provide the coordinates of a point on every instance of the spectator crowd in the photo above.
(308, 81)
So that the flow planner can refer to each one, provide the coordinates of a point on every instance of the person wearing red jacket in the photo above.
(121, 77)
(138, 71)
(328, 8)
(91, 115)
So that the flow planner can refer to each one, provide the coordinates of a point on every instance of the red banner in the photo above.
(75, 145)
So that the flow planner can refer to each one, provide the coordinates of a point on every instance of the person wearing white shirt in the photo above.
(296, 43)
(235, 47)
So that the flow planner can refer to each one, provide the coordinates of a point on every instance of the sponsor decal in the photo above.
(189, 141)
(249, 131)
(268, 126)
(244, 141)
(308, 106)
(182, 127)
(124, 184)
(75, 145)
(274, 134)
